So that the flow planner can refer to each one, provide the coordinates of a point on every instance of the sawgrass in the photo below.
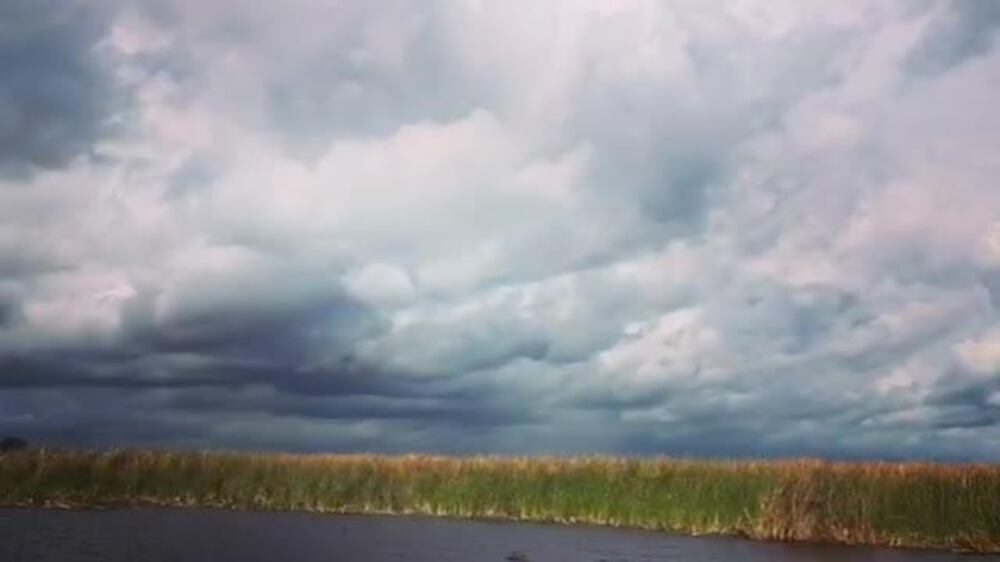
(908, 504)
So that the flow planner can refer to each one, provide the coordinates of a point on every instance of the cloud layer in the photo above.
(629, 227)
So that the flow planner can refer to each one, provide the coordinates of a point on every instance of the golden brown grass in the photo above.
(911, 504)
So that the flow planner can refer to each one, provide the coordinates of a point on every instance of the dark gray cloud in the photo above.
(10, 312)
(967, 29)
(638, 228)
(56, 94)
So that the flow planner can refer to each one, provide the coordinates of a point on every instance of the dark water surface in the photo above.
(134, 535)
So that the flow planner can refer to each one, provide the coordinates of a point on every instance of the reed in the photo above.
(907, 504)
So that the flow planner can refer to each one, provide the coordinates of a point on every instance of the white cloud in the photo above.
(380, 283)
(981, 355)
(767, 226)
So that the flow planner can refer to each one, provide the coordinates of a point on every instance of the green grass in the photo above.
(920, 505)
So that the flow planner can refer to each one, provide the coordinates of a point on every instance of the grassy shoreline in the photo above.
(920, 505)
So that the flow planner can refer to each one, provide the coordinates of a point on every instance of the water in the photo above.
(135, 535)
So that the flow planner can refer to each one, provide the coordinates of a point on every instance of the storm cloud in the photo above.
(628, 227)
(56, 92)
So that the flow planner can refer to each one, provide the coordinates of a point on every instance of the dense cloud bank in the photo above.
(750, 228)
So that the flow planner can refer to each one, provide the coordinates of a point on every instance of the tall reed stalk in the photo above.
(911, 504)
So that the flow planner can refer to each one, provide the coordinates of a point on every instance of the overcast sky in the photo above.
(702, 228)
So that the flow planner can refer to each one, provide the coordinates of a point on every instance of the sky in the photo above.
(734, 228)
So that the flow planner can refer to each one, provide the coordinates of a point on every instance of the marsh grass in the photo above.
(912, 504)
